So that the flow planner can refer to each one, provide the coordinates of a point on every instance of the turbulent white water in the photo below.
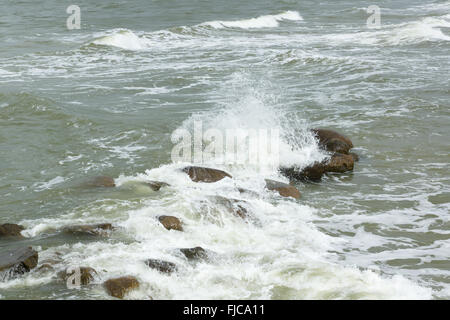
(267, 21)
(279, 253)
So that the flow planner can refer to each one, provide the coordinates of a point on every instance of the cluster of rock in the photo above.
(340, 161)
(18, 261)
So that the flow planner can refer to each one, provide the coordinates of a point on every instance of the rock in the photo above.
(196, 253)
(171, 223)
(248, 192)
(101, 229)
(332, 141)
(102, 181)
(339, 163)
(285, 190)
(161, 266)
(119, 287)
(8, 230)
(156, 185)
(18, 261)
(201, 174)
(86, 274)
(233, 205)
(313, 172)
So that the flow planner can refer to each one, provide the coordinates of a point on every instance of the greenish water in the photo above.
(105, 99)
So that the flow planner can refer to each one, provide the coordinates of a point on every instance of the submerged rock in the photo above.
(119, 287)
(201, 174)
(156, 185)
(18, 261)
(171, 223)
(86, 274)
(45, 267)
(101, 229)
(196, 253)
(234, 206)
(102, 181)
(11, 230)
(285, 190)
(333, 141)
(248, 192)
(161, 266)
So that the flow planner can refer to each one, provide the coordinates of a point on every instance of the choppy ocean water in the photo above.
(105, 99)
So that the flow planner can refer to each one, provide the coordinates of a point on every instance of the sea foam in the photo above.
(265, 21)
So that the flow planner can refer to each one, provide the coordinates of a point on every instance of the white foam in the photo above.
(426, 29)
(124, 39)
(265, 21)
(49, 184)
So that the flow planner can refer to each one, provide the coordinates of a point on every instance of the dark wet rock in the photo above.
(313, 172)
(339, 163)
(102, 181)
(235, 206)
(355, 156)
(156, 185)
(171, 223)
(18, 261)
(161, 266)
(201, 174)
(196, 253)
(284, 189)
(86, 275)
(101, 229)
(119, 287)
(11, 230)
(333, 141)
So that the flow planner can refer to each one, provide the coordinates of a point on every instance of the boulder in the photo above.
(313, 172)
(161, 266)
(285, 190)
(102, 181)
(156, 185)
(9, 230)
(18, 261)
(201, 174)
(339, 162)
(86, 274)
(101, 229)
(233, 205)
(119, 287)
(171, 223)
(196, 253)
(332, 141)
(250, 193)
